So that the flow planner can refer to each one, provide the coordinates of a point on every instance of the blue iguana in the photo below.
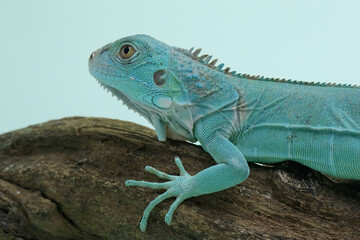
(237, 118)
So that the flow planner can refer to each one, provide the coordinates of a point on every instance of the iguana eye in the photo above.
(127, 51)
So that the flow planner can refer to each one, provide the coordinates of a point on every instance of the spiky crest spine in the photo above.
(205, 59)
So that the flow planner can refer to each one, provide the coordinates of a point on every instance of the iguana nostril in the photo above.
(92, 55)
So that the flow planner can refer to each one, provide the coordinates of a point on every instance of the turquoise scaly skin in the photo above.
(237, 118)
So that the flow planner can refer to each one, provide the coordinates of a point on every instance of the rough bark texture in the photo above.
(64, 179)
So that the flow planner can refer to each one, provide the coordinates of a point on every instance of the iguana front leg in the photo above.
(231, 169)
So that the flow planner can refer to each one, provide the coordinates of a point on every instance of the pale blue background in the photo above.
(45, 45)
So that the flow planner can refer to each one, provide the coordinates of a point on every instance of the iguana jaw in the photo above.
(105, 75)
(142, 109)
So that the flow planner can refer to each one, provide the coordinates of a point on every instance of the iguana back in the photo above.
(316, 125)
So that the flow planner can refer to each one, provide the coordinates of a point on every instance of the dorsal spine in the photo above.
(205, 59)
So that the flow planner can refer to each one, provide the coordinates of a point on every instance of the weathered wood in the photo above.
(64, 179)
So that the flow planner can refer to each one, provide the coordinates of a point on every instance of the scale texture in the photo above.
(237, 118)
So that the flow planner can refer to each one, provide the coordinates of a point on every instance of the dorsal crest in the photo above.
(205, 59)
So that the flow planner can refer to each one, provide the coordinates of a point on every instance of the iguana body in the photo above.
(237, 118)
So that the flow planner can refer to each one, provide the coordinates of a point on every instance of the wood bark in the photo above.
(64, 179)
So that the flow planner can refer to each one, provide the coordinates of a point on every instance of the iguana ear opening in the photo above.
(159, 78)
(159, 128)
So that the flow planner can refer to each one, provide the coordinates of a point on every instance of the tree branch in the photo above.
(64, 179)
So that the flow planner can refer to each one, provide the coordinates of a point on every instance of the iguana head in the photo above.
(162, 83)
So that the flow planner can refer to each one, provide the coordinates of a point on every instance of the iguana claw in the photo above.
(177, 186)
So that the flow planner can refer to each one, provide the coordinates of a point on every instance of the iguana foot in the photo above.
(177, 186)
